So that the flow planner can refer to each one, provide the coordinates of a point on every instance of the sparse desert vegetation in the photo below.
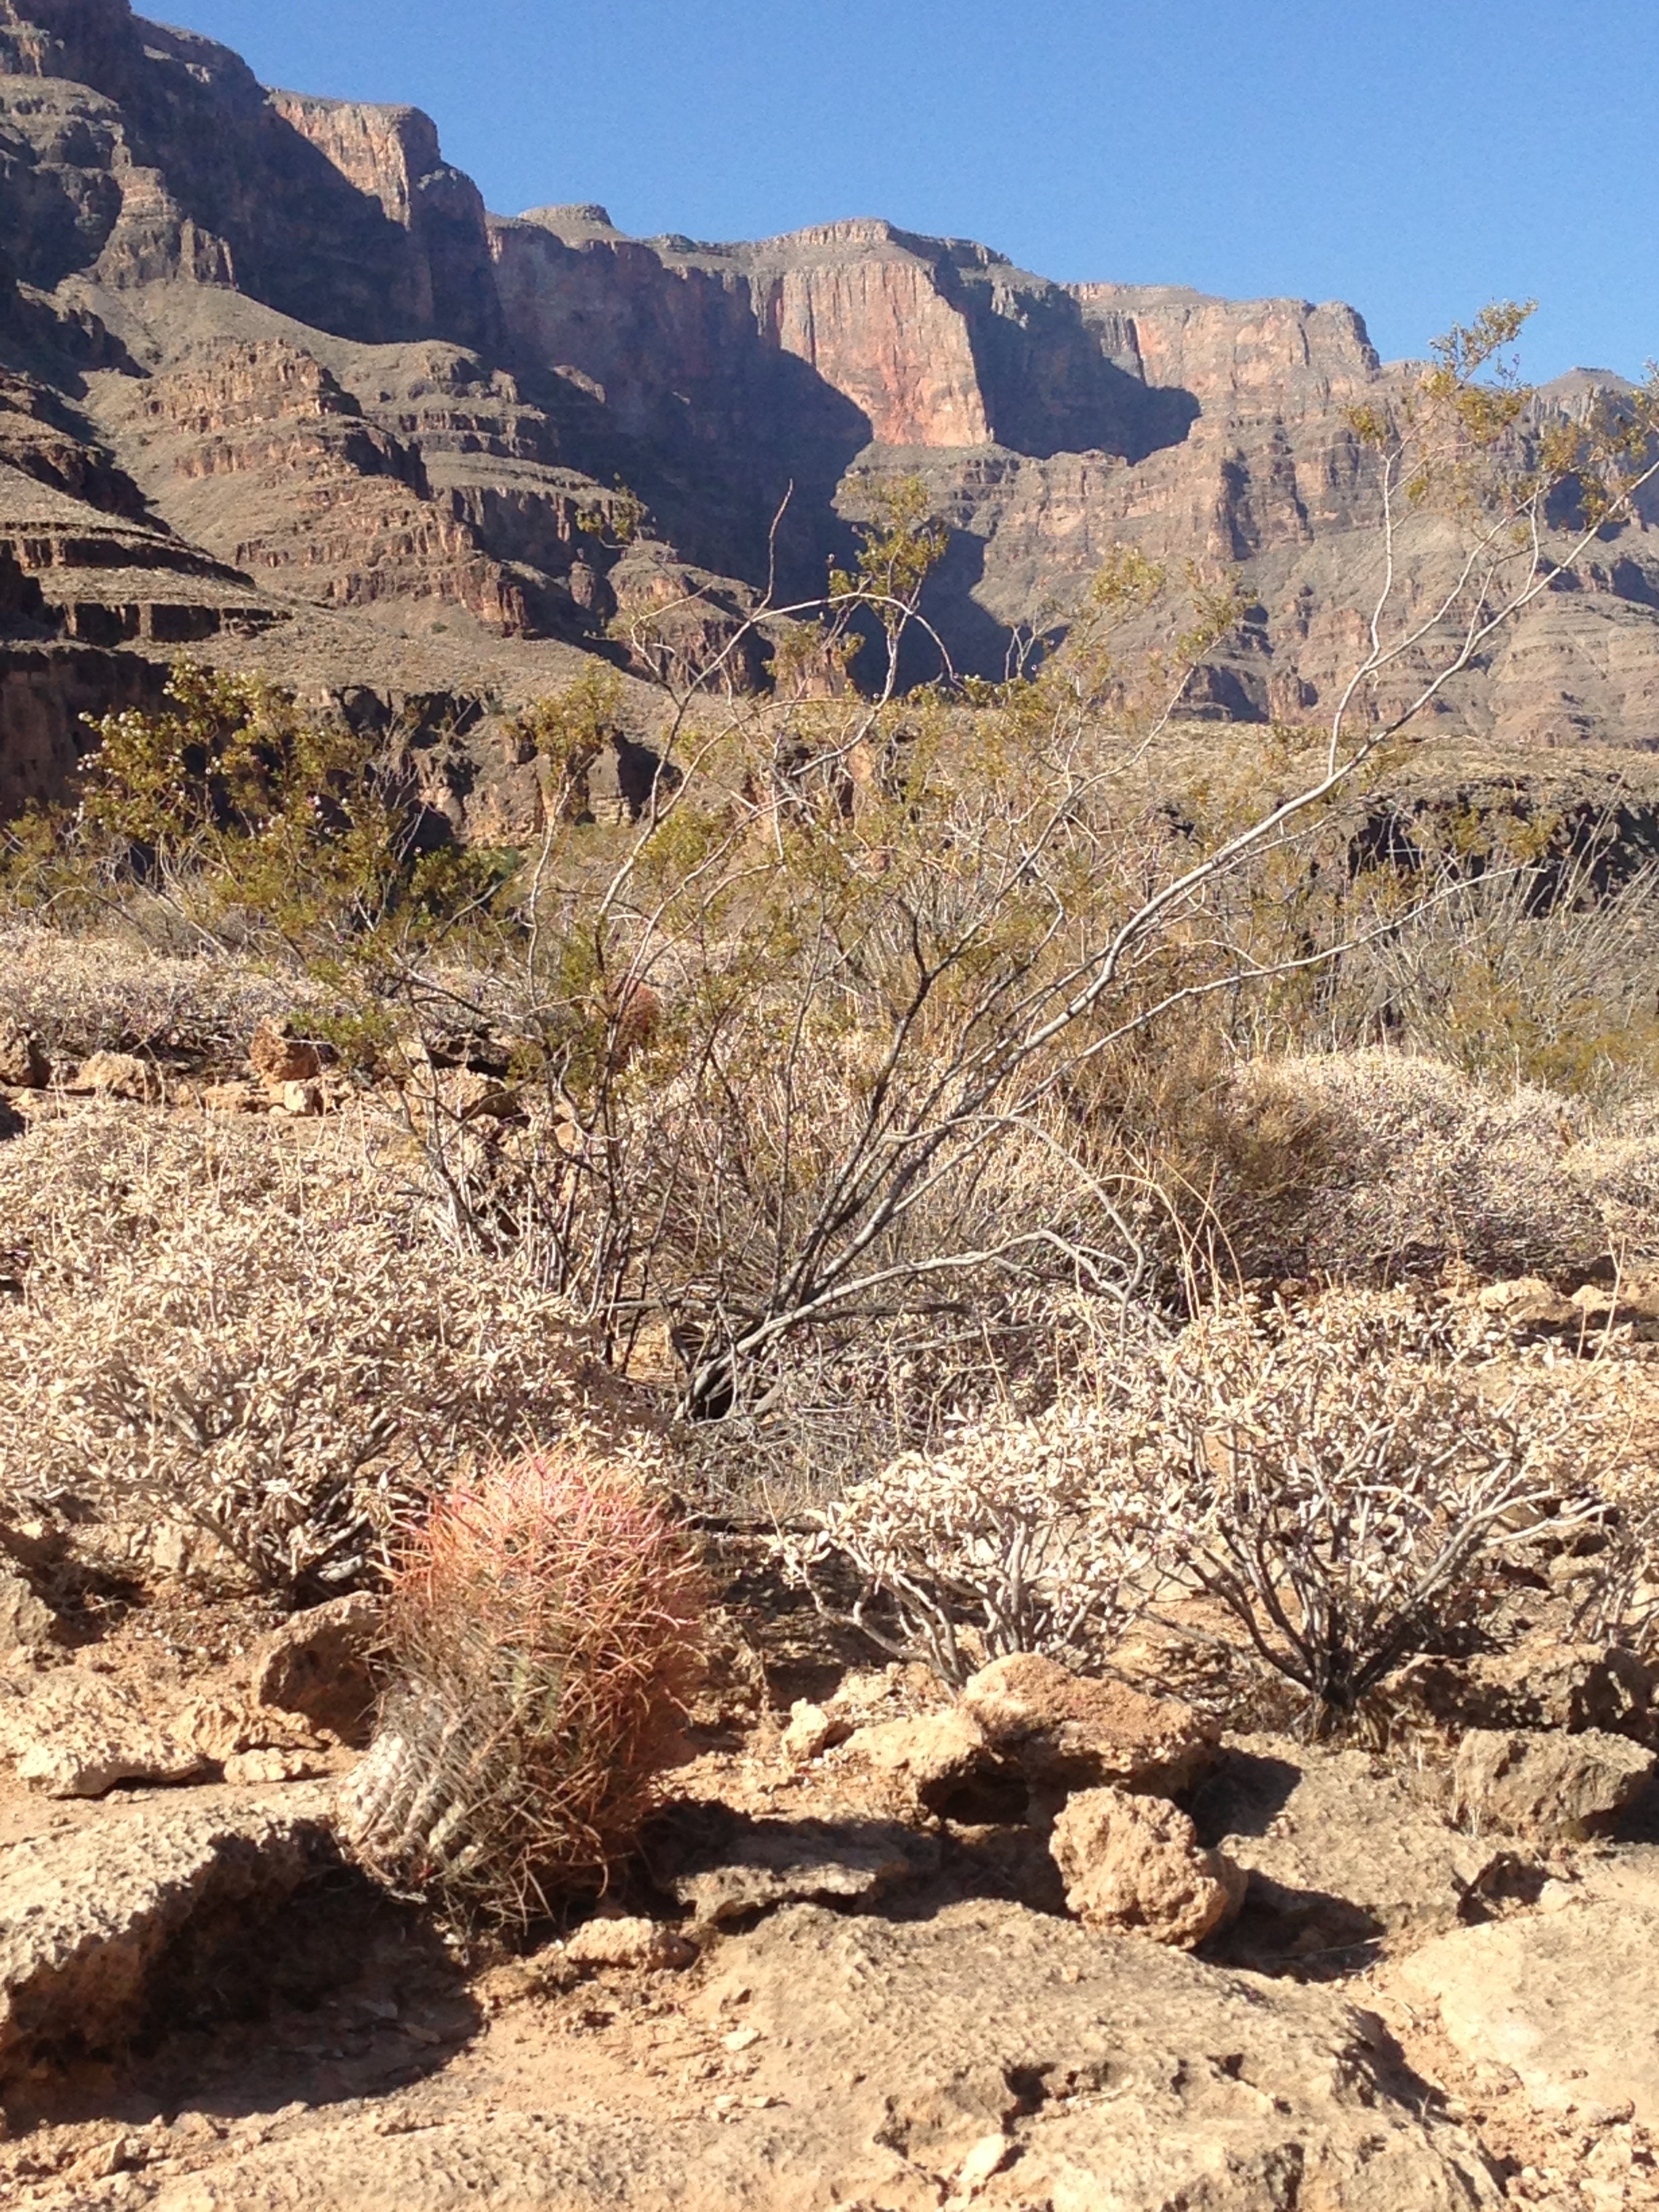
(980, 1372)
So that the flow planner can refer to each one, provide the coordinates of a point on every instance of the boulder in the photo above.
(320, 1664)
(75, 1734)
(88, 1915)
(25, 1620)
(721, 1865)
(277, 1056)
(1540, 1683)
(1566, 1994)
(23, 1064)
(985, 2053)
(1546, 1786)
(926, 1760)
(1338, 1851)
(648, 1946)
(1066, 1731)
(1133, 1866)
(119, 1075)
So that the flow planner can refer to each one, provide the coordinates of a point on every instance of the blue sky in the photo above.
(1417, 157)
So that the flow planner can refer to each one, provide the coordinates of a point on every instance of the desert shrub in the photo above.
(80, 995)
(1348, 1483)
(1022, 1536)
(220, 1326)
(1349, 1480)
(1378, 1167)
(1534, 963)
(1616, 1168)
(544, 1628)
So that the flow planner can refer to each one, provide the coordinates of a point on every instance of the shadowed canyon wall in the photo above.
(266, 358)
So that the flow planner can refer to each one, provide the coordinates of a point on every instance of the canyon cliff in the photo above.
(275, 385)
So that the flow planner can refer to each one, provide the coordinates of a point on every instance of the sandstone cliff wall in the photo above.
(282, 330)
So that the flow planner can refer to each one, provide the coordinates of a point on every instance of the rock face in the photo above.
(1338, 1851)
(987, 2054)
(87, 1917)
(75, 1735)
(721, 1866)
(1566, 1995)
(267, 363)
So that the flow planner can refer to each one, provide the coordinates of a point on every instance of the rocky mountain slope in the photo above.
(275, 385)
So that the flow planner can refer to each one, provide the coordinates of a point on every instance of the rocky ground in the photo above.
(1052, 1944)
(882, 1949)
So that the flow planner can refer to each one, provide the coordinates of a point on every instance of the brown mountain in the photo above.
(273, 386)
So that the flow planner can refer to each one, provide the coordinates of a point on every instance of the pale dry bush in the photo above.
(1396, 1167)
(1616, 1167)
(1021, 1536)
(222, 1326)
(545, 1626)
(80, 995)
(1350, 1479)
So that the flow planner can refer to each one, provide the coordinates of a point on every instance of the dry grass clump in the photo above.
(80, 995)
(1379, 1167)
(1617, 1169)
(546, 1629)
(271, 1342)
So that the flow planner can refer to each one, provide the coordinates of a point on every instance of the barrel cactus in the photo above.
(543, 1633)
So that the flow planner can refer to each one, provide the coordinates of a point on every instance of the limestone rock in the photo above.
(77, 1735)
(1566, 1996)
(721, 1866)
(641, 1944)
(25, 1620)
(119, 1075)
(1066, 1731)
(1529, 1782)
(223, 1727)
(277, 1056)
(1133, 1866)
(233, 1098)
(87, 1914)
(301, 1100)
(1528, 1302)
(886, 2054)
(1540, 1683)
(1338, 1851)
(925, 1760)
(319, 1664)
(810, 1731)
(270, 1765)
(23, 1064)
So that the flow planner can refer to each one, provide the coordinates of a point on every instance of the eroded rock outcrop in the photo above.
(280, 365)
(88, 1917)
(987, 2054)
